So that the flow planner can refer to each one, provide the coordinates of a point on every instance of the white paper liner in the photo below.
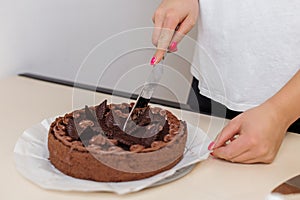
(31, 159)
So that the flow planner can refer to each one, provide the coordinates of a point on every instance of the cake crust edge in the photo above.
(84, 165)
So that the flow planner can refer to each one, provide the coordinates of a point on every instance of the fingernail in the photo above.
(173, 46)
(152, 62)
(211, 145)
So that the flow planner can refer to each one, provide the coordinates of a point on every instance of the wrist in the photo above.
(285, 103)
(278, 113)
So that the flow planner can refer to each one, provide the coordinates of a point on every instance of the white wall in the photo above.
(53, 38)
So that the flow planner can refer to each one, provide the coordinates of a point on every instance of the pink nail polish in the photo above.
(173, 46)
(211, 145)
(152, 62)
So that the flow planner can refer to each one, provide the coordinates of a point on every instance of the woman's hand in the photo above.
(170, 15)
(260, 133)
(261, 129)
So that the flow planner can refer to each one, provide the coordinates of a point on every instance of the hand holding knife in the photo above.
(148, 89)
(163, 47)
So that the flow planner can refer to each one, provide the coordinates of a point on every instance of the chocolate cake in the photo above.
(90, 143)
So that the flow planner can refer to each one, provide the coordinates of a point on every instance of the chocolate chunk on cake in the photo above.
(90, 143)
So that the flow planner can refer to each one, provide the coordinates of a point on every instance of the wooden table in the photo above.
(26, 101)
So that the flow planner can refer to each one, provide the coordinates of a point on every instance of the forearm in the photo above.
(286, 102)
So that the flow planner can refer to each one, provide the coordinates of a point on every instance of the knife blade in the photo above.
(148, 89)
(290, 186)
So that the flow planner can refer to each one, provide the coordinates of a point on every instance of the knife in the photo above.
(290, 186)
(148, 89)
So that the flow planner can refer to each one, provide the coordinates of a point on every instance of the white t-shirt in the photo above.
(247, 50)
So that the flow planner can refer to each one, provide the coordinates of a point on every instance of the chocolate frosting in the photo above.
(100, 127)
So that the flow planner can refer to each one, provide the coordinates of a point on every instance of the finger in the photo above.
(254, 157)
(163, 43)
(228, 132)
(247, 157)
(233, 150)
(165, 37)
(158, 19)
(183, 29)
